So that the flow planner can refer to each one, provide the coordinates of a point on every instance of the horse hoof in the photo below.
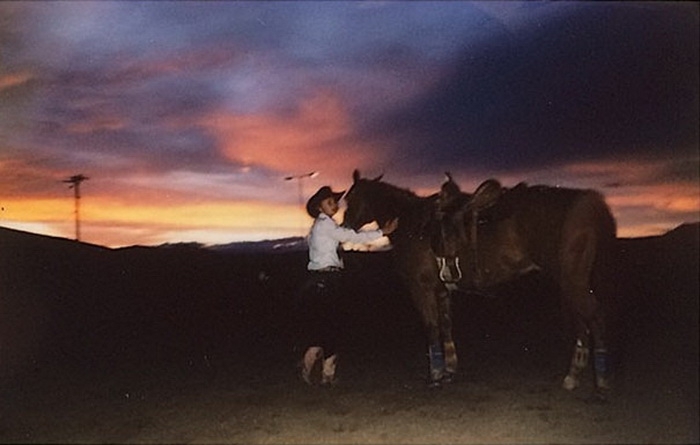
(434, 384)
(599, 397)
(448, 378)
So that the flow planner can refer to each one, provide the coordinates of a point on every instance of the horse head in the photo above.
(363, 205)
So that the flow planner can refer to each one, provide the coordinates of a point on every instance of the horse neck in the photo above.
(397, 201)
(411, 209)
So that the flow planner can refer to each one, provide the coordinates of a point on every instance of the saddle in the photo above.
(453, 210)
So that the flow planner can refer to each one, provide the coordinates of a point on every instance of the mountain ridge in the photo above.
(287, 244)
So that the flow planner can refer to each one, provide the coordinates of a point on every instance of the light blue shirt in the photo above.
(325, 237)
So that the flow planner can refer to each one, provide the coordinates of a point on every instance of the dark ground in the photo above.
(179, 345)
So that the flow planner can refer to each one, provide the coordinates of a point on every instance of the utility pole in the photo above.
(299, 179)
(74, 182)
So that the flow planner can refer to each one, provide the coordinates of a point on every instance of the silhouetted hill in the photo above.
(277, 245)
(659, 260)
(64, 302)
(27, 241)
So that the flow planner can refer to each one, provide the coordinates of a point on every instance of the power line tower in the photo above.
(74, 182)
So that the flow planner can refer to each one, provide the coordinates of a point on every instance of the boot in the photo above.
(311, 364)
(329, 366)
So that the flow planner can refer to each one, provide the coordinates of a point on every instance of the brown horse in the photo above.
(476, 241)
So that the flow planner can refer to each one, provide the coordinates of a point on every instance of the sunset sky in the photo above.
(188, 116)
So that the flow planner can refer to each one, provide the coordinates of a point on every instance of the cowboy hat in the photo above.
(313, 204)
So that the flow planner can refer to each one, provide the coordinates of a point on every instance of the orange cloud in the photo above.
(317, 136)
(21, 178)
(654, 209)
(677, 198)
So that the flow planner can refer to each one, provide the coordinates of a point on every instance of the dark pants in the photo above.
(321, 321)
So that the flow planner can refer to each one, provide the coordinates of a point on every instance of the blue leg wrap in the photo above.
(601, 362)
(437, 358)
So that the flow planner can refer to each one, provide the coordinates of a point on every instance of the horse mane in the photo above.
(412, 210)
(389, 191)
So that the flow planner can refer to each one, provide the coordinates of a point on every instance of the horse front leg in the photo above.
(430, 298)
(450, 351)
(436, 355)
(442, 352)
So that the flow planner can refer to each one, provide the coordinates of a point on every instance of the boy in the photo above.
(325, 265)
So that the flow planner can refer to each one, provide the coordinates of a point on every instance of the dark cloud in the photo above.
(613, 78)
(149, 120)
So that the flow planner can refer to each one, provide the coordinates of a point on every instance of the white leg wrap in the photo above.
(312, 355)
(329, 367)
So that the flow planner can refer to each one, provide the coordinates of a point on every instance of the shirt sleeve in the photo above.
(346, 235)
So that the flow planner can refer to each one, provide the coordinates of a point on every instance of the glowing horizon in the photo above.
(124, 220)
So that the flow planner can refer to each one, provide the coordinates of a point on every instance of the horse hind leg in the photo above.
(581, 358)
(581, 253)
(579, 362)
(601, 360)
(578, 254)
(450, 360)
(582, 305)
(590, 334)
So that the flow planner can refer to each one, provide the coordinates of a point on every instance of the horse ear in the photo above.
(378, 178)
(356, 175)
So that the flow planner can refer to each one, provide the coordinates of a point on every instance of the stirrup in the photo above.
(450, 272)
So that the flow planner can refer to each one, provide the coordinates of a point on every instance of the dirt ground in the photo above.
(256, 399)
(508, 389)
